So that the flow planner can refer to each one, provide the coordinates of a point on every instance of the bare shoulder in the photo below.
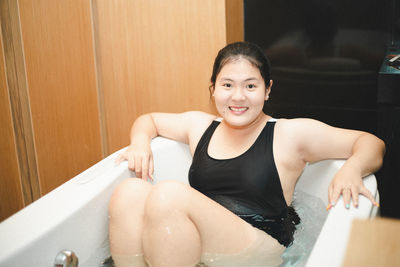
(299, 128)
(196, 123)
(295, 135)
(299, 123)
(287, 133)
(285, 128)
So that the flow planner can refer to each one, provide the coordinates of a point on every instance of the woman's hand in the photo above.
(348, 183)
(140, 160)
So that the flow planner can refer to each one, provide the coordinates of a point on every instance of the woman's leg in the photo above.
(180, 224)
(126, 211)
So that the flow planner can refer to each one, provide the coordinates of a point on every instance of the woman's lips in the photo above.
(238, 110)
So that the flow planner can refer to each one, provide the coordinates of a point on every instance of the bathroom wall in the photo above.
(61, 78)
(75, 74)
(156, 56)
(9, 171)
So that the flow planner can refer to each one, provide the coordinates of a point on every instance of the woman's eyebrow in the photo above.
(251, 79)
(248, 79)
(226, 79)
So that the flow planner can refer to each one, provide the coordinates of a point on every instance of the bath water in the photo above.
(312, 213)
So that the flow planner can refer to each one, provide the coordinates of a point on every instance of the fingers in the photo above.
(334, 194)
(131, 162)
(147, 166)
(330, 193)
(138, 166)
(354, 196)
(364, 191)
(139, 162)
(348, 195)
(143, 166)
(119, 159)
(151, 168)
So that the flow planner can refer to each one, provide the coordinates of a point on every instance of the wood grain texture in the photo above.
(11, 198)
(19, 100)
(100, 94)
(59, 56)
(234, 21)
(373, 243)
(155, 55)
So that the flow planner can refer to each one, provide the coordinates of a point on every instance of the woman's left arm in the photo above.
(366, 157)
(364, 153)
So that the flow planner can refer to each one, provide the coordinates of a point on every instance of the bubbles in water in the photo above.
(312, 214)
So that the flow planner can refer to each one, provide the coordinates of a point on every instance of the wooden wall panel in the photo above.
(155, 55)
(234, 21)
(11, 188)
(59, 57)
(19, 100)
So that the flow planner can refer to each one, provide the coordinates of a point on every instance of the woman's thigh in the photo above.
(261, 253)
(126, 211)
(221, 231)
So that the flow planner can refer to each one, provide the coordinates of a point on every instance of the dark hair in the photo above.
(246, 50)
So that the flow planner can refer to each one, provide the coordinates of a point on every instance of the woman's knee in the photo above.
(165, 198)
(130, 194)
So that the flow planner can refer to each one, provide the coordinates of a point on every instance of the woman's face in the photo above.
(240, 92)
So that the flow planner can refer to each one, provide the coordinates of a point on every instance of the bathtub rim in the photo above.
(84, 180)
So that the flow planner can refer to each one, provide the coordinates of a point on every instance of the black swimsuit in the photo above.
(248, 185)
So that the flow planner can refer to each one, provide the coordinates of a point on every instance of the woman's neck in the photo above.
(250, 128)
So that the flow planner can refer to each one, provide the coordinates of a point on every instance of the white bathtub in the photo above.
(74, 215)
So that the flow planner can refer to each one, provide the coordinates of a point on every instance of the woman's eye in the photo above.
(251, 86)
(227, 85)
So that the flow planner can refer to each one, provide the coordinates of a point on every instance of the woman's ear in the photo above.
(211, 88)
(268, 90)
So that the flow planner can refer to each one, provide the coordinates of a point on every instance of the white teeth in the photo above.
(237, 109)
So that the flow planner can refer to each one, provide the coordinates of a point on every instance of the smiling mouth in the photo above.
(238, 109)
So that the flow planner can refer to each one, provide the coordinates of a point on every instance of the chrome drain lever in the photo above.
(66, 258)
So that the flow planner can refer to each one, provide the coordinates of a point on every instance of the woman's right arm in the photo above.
(177, 126)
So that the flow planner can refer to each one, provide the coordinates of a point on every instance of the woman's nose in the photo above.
(238, 94)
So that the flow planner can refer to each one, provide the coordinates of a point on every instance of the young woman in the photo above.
(236, 211)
